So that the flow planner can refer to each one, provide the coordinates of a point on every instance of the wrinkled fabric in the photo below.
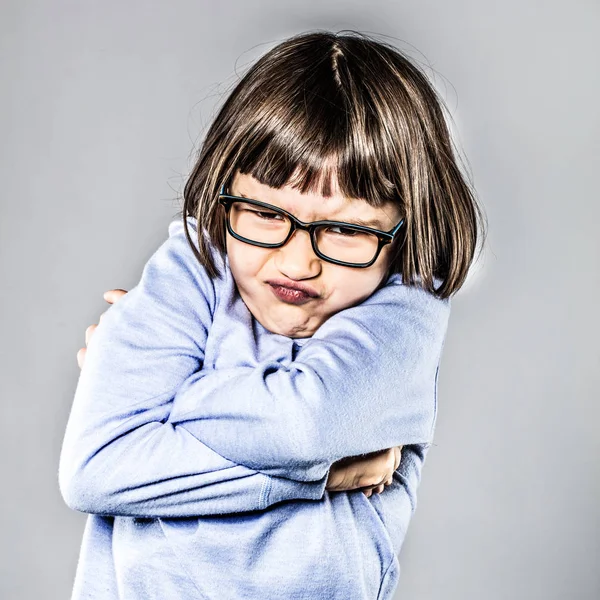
(200, 443)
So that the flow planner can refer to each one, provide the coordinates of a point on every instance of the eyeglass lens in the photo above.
(340, 243)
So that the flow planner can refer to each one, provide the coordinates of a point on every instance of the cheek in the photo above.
(349, 289)
(245, 261)
(386, 259)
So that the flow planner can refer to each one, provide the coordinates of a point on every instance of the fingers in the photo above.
(89, 331)
(375, 490)
(81, 357)
(81, 352)
(397, 457)
(111, 296)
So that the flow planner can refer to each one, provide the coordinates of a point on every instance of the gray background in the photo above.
(102, 104)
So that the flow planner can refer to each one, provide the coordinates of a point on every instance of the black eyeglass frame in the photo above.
(384, 237)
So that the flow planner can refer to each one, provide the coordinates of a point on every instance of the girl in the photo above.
(288, 332)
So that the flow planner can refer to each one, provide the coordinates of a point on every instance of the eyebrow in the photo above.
(373, 223)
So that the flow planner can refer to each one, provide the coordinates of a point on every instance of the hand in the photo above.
(111, 297)
(369, 472)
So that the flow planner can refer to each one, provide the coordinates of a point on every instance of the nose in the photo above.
(296, 259)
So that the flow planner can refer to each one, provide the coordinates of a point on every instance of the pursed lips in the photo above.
(309, 291)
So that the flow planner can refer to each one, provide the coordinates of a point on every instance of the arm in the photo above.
(398, 501)
(121, 455)
(365, 381)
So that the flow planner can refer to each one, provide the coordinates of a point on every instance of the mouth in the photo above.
(294, 285)
(290, 295)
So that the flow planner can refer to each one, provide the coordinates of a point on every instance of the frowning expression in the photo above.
(332, 288)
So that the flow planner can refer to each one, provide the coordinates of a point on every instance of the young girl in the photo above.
(232, 405)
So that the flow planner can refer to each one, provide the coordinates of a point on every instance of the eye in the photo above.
(267, 216)
(344, 231)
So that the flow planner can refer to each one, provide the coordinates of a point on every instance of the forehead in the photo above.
(315, 207)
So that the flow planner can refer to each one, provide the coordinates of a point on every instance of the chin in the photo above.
(279, 318)
(285, 324)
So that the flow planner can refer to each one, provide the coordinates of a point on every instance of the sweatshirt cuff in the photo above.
(278, 489)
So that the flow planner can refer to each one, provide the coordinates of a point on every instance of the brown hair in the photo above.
(324, 104)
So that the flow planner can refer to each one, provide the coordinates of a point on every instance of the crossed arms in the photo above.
(152, 434)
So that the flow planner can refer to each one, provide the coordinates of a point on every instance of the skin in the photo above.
(338, 288)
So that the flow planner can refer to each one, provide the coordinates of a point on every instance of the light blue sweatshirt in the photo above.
(200, 443)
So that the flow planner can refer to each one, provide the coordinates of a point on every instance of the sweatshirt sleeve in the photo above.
(398, 502)
(121, 455)
(365, 381)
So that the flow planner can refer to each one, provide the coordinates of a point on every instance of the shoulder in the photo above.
(398, 292)
(405, 315)
(177, 232)
(174, 275)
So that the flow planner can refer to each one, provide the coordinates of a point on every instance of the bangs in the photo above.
(316, 125)
(325, 113)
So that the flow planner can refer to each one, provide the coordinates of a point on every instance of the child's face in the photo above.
(338, 287)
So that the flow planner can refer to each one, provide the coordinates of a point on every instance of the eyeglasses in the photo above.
(336, 242)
